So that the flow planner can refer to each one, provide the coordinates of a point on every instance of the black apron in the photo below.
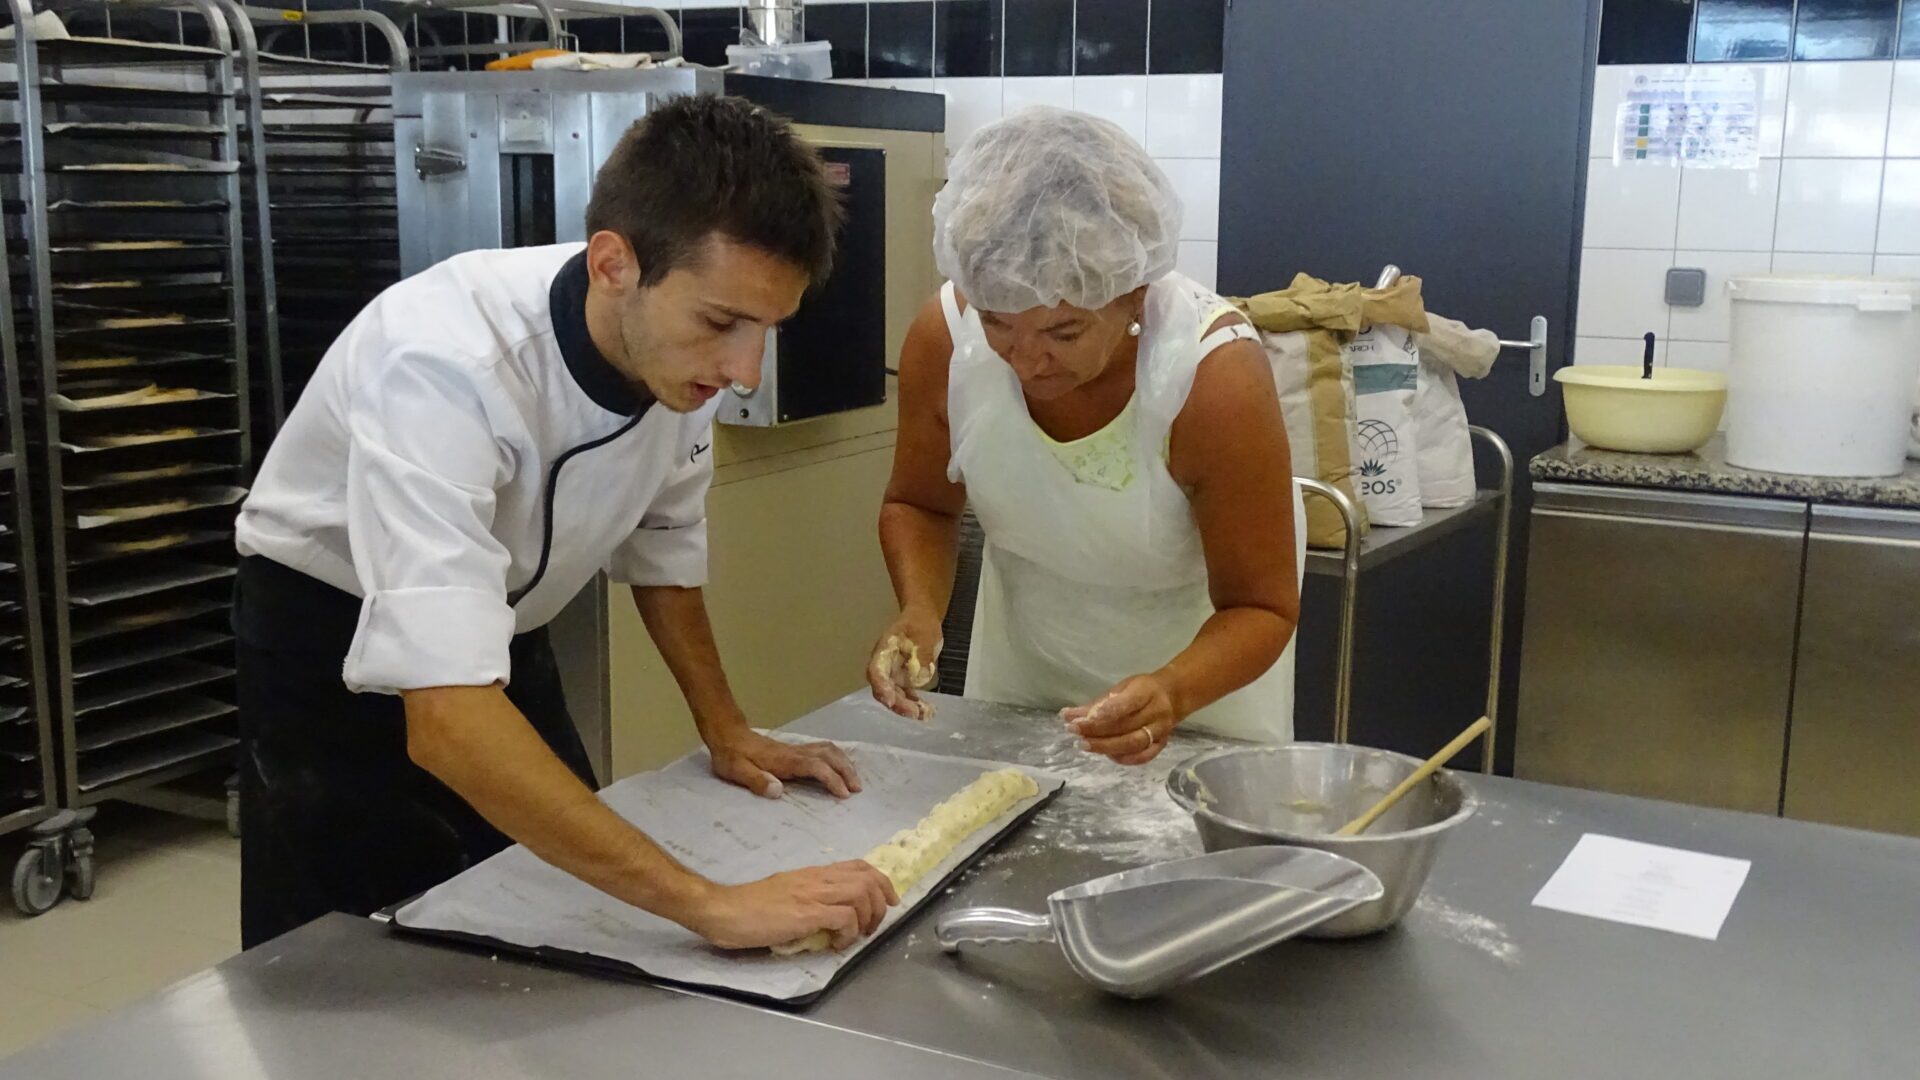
(334, 815)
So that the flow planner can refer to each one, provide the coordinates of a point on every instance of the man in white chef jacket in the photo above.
(479, 443)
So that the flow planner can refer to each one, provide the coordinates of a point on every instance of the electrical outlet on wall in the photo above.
(1686, 286)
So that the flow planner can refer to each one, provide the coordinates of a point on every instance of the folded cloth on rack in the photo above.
(1306, 328)
(46, 26)
(602, 62)
(1445, 456)
(564, 60)
(523, 61)
(1468, 352)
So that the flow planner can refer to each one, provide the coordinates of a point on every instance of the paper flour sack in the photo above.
(1445, 460)
(1386, 378)
(1449, 350)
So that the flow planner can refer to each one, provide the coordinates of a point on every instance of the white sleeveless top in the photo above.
(1094, 569)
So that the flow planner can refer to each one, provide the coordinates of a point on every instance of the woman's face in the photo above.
(1055, 350)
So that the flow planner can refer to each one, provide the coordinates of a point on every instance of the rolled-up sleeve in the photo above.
(670, 546)
(423, 467)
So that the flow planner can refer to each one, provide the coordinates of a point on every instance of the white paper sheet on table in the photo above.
(728, 835)
(1662, 888)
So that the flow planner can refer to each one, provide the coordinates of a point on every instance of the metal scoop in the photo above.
(1143, 931)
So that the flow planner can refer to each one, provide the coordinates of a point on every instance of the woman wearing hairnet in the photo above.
(1115, 427)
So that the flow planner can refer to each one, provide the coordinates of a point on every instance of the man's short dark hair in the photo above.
(706, 163)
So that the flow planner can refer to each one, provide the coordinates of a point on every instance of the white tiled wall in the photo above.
(1836, 191)
(1119, 98)
(1176, 117)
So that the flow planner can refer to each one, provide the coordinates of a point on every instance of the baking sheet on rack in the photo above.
(179, 502)
(729, 835)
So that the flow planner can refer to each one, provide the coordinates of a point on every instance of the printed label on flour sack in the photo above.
(1385, 362)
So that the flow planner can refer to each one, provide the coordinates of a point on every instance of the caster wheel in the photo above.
(80, 878)
(36, 881)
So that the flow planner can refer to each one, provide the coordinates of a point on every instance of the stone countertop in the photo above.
(1707, 470)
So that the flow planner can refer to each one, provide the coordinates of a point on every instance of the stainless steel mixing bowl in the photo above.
(1298, 794)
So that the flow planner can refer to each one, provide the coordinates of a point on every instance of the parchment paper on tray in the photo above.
(94, 516)
(80, 155)
(727, 834)
(140, 395)
(86, 444)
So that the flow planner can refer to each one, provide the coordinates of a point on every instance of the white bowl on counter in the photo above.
(1611, 407)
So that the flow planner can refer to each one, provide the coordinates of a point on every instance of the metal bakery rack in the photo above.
(537, 25)
(317, 154)
(321, 122)
(198, 196)
(27, 796)
(123, 211)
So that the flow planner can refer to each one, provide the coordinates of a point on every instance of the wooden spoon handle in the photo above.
(1426, 769)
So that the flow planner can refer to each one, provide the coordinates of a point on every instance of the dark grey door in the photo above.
(1447, 137)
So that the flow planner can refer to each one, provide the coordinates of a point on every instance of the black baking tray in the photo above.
(105, 732)
(111, 765)
(600, 965)
(145, 683)
(177, 612)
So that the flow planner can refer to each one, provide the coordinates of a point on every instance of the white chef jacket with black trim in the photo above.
(465, 461)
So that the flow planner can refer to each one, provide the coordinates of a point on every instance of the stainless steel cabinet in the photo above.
(1659, 644)
(1855, 753)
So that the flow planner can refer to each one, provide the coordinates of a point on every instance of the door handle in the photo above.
(429, 163)
(1536, 347)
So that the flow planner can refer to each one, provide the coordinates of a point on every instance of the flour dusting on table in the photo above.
(1121, 813)
(1465, 927)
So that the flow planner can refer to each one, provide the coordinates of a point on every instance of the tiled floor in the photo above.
(166, 904)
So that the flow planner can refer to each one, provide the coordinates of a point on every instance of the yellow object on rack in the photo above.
(523, 61)
(141, 546)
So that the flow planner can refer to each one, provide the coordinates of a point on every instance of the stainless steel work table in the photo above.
(1817, 973)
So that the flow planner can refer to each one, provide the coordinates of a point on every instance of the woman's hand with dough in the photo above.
(902, 665)
(1129, 723)
(847, 900)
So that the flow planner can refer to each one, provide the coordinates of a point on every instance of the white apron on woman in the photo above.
(1094, 569)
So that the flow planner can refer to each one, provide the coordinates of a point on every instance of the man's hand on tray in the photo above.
(760, 764)
(847, 900)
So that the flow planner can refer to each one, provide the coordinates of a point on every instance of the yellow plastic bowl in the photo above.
(1611, 407)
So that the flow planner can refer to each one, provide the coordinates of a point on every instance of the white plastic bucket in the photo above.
(1821, 373)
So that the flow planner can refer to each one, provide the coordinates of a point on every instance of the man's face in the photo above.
(702, 327)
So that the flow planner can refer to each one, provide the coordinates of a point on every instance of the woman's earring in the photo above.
(1133, 328)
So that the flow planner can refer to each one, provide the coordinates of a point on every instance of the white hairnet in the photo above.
(1050, 205)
